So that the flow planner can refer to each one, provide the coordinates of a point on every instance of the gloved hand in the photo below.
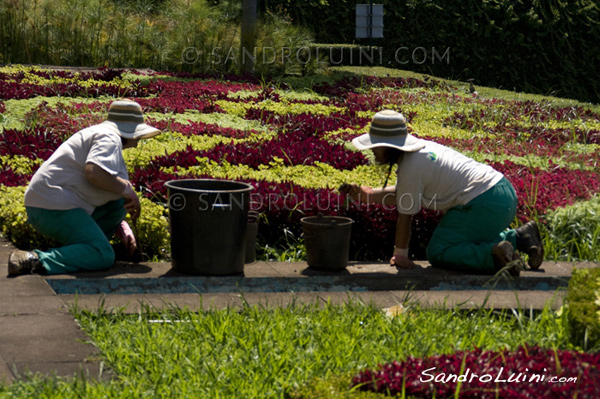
(125, 233)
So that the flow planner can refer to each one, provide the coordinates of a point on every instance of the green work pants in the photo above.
(84, 238)
(464, 238)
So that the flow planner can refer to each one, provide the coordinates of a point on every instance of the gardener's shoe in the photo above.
(503, 254)
(529, 241)
(23, 262)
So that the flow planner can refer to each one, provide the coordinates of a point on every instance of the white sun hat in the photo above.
(126, 118)
(388, 129)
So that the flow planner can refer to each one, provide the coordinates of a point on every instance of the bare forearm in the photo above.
(366, 194)
(403, 229)
(385, 196)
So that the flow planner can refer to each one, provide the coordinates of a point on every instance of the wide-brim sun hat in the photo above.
(388, 129)
(126, 118)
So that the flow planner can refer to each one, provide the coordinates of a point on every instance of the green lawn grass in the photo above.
(303, 350)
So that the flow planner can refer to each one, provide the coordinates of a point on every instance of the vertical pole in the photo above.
(248, 39)
(370, 25)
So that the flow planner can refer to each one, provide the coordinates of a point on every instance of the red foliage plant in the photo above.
(294, 149)
(18, 90)
(200, 129)
(526, 373)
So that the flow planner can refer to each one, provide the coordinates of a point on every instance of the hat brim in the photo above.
(131, 130)
(407, 143)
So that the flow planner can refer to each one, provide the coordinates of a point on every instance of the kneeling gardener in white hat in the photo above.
(79, 197)
(478, 202)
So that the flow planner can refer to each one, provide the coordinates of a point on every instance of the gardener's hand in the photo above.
(132, 202)
(402, 262)
(400, 259)
(125, 233)
(356, 192)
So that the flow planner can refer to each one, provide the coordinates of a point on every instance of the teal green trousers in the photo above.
(464, 238)
(84, 238)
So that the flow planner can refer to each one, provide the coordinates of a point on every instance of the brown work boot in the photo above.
(23, 262)
(503, 254)
(529, 242)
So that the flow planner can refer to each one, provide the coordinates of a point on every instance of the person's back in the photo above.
(438, 177)
(60, 183)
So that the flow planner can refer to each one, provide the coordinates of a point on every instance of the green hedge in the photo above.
(583, 307)
(540, 46)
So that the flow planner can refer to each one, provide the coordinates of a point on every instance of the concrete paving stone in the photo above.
(523, 300)
(27, 305)
(261, 269)
(119, 270)
(274, 299)
(139, 303)
(90, 370)
(6, 374)
(382, 299)
(30, 285)
(39, 326)
(24, 349)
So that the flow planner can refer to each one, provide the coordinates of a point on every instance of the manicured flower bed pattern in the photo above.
(528, 372)
(292, 129)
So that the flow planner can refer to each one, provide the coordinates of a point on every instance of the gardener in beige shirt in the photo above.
(79, 197)
(478, 202)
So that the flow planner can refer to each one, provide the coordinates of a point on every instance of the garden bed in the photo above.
(292, 146)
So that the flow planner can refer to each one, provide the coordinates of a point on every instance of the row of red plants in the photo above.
(17, 90)
(291, 148)
(530, 372)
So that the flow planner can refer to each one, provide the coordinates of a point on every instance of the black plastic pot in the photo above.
(327, 240)
(208, 225)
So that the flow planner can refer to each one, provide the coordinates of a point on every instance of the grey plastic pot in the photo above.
(208, 220)
(327, 240)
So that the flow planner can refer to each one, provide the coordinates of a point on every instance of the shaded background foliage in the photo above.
(166, 35)
(540, 46)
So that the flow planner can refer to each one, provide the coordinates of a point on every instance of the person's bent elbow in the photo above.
(91, 172)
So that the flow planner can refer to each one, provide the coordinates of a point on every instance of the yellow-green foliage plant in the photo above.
(152, 231)
(13, 220)
(583, 307)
